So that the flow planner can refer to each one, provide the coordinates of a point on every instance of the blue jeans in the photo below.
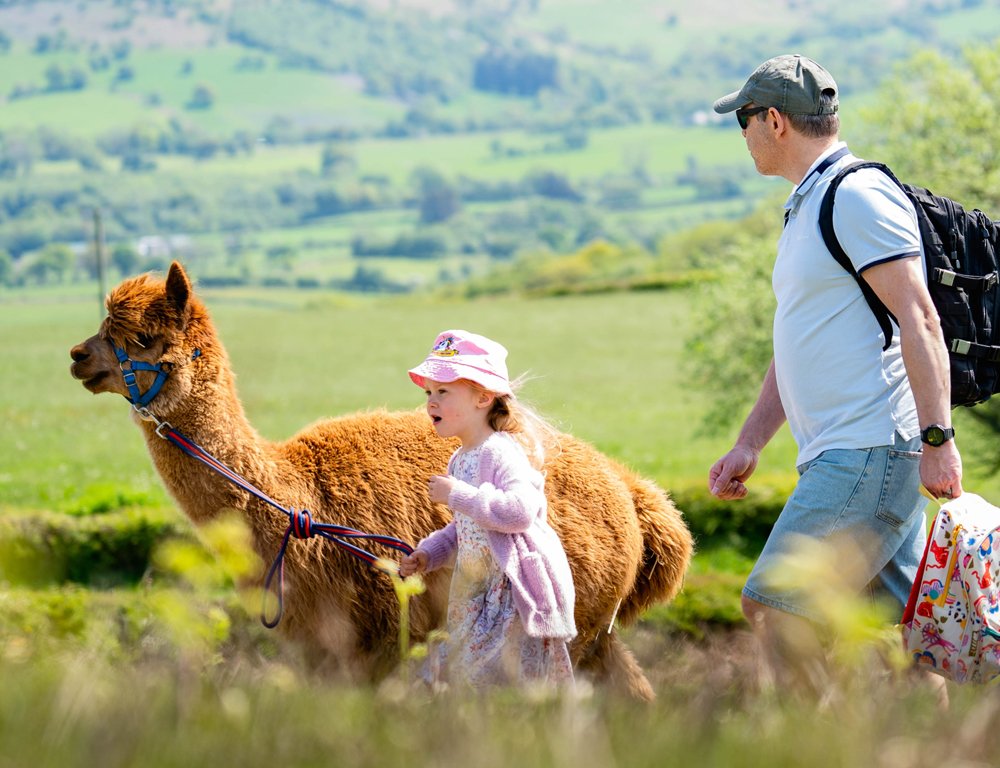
(869, 498)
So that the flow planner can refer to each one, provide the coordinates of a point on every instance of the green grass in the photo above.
(74, 713)
(244, 99)
(88, 113)
(645, 25)
(662, 150)
(606, 368)
(249, 99)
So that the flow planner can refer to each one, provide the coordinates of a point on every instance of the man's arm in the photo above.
(900, 286)
(727, 477)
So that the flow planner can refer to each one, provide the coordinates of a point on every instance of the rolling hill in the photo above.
(387, 145)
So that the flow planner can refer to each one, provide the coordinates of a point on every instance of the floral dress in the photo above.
(487, 644)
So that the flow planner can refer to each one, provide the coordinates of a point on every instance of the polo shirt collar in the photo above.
(816, 170)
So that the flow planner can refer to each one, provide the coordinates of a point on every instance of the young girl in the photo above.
(510, 608)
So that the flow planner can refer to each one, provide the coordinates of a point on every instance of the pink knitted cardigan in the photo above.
(509, 504)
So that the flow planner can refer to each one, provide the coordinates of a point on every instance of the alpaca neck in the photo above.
(214, 419)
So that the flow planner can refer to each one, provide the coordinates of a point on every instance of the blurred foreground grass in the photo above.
(176, 671)
(75, 708)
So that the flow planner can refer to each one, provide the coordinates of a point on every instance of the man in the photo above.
(857, 412)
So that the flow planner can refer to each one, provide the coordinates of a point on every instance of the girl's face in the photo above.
(458, 409)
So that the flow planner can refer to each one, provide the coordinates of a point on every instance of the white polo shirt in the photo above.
(839, 389)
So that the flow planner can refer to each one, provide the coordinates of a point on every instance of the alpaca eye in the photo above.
(144, 340)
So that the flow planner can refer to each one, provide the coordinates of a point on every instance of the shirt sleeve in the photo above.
(874, 220)
(440, 547)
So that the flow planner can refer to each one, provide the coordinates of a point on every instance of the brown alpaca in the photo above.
(627, 544)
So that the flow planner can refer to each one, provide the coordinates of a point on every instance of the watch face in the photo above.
(935, 436)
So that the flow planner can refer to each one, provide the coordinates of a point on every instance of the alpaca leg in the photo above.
(608, 659)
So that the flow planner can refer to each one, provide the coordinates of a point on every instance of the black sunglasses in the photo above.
(743, 115)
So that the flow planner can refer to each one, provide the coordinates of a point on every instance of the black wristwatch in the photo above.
(936, 435)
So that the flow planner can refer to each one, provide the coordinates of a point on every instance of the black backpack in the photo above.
(961, 254)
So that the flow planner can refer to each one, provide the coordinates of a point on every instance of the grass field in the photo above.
(661, 150)
(606, 368)
(160, 89)
(710, 713)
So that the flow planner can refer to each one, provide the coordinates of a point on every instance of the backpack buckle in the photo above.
(945, 277)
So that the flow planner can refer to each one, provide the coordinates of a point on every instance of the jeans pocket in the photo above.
(900, 487)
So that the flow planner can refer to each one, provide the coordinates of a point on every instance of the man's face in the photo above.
(760, 141)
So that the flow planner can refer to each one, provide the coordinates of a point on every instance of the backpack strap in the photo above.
(974, 350)
(968, 283)
(882, 314)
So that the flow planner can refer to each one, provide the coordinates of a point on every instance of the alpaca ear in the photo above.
(178, 287)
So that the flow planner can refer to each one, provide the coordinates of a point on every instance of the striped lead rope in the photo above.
(300, 523)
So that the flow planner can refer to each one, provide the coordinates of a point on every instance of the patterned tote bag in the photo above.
(952, 620)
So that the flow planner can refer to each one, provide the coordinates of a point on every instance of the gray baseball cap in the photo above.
(791, 84)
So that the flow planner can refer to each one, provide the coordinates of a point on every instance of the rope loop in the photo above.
(277, 567)
(300, 523)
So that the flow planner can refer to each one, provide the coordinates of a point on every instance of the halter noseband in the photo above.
(135, 397)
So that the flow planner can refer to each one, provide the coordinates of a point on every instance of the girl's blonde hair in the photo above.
(533, 432)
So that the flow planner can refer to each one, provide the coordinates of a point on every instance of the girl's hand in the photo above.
(439, 487)
(415, 563)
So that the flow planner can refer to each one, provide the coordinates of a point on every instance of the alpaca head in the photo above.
(158, 322)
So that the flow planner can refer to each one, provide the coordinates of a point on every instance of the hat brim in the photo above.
(730, 102)
(448, 371)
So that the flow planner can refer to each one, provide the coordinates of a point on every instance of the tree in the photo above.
(524, 74)
(17, 155)
(333, 159)
(54, 262)
(730, 348)
(438, 198)
(202, 97)
(935, 125)
(125, 259)
(55, 78)
(6, 268)
(553, 185)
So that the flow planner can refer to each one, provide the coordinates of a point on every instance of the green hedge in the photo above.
(115, 548)
(728, 537)
(742, 525)
(96, 550)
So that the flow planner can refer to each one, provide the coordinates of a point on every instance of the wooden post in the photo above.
(99, 256)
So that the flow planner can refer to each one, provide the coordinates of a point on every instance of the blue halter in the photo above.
(134, 396)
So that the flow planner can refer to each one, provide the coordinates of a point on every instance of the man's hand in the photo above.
(941, 470)
(727, 477)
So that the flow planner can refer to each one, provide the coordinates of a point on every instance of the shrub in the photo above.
(99, 550)
(743, 526)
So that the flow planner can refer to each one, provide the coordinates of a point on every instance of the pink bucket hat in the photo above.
(463, 355)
